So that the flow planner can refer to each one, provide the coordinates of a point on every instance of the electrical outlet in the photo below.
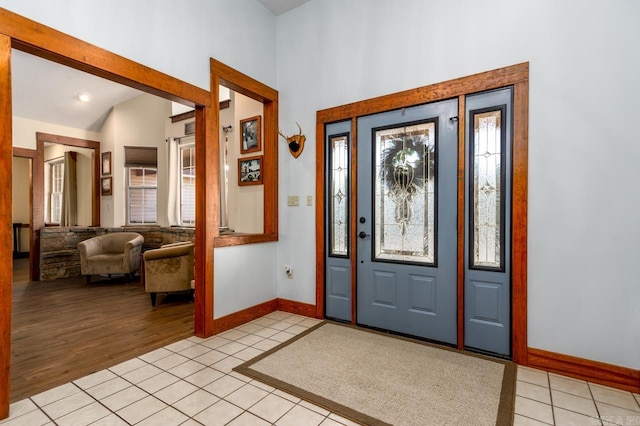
(309, 200)
(293, 200)
(289, 271)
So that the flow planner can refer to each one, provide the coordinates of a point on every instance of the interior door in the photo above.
(407, 212)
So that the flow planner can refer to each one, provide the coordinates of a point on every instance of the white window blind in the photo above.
(143, 195)
(142, 177)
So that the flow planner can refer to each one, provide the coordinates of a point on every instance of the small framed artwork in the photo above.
(105, 186)
(250, 137)
(106, 163)
(250, 170)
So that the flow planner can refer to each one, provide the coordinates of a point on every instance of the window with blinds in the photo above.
(188, 185)
(142, 182)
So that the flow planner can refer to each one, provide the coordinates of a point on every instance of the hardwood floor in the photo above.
(64, 330)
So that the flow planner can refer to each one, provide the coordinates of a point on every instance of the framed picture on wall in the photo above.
(105, 186)
(250, 134)
(106, 163)
(250, 170)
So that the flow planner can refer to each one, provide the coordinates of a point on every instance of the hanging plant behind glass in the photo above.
(407, 160)
(405, 199)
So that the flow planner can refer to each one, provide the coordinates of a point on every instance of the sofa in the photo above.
(113, 253)
(169, 269)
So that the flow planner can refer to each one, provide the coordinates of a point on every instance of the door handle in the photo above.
(363, 235)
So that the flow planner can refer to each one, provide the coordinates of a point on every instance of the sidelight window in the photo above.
(487, 207)
(339, 196)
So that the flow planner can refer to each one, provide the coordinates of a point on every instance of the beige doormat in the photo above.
(377, 379)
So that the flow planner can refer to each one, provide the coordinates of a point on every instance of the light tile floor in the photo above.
(191, 382)
(550, 399)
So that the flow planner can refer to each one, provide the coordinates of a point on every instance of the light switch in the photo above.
(309, 200)
(293, 200)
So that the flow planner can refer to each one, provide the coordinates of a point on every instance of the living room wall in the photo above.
(140, 121)
(24, 132)
(20, 197)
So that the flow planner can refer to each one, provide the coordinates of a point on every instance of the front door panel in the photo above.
(338, 217)
(407, 210)
(487, 284)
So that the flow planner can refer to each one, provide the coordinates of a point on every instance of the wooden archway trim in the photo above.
(516, 76)
(235, 80)
(24, 34)
(6, 262)
(45, 42)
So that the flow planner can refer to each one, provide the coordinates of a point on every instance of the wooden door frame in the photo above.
(24, 34)
(516, 76)
(34, 242)
(38, 214)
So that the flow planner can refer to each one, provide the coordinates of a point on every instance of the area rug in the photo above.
(378, 379)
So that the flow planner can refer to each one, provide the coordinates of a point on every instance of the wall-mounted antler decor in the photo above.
(295, 142)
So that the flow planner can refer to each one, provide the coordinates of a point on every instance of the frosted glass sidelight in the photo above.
(405, 194)
(339, 196)
(487, 188)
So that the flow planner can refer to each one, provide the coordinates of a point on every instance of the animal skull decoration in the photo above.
(295, 142)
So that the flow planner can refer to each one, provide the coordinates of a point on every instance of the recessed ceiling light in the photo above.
(84, 96)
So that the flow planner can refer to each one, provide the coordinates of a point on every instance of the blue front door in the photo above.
(407, 221)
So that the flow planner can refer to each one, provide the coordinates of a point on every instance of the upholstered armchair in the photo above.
(168, 269)
(114, 253)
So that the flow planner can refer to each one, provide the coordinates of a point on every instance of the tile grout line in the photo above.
(553, 411)
(41, 408)
(42, 411)
(595, 404)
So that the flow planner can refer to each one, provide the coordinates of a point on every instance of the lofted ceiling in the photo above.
(278, 7)
(47, 91)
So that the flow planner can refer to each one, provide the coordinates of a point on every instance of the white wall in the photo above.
(584, 292)
(175, 37)
(110, 203)
(21, 197)
(24, 132)
(140, 121)
(244, 277)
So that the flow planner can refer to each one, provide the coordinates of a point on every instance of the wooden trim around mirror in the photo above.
(224, 75)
